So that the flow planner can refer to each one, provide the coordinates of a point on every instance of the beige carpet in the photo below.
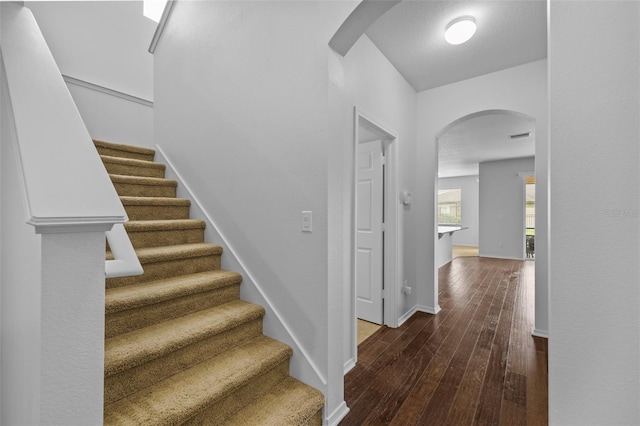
(460, 251)
(180, 345)
(366, 329)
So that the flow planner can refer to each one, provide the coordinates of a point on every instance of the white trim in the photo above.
(248, 277)
(338, 414)
(57, 225)
(428, 309)
(415, 309)
(106, 90)
(125, 261)
(540, 333)
(503, 257)
(166, 13)
(349, 365)
(407, 315)
(361, 18)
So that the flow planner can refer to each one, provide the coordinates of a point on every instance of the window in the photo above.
(153, 9)
(449, 206)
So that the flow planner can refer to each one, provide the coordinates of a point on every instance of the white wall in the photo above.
(111, 118)
(594, 357)
(101, 42)
(522, 89)
(370, 83)
(104, 43)
(502, 205)
(242, 111)
(469, 208)
(2, 96)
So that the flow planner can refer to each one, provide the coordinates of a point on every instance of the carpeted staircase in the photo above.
(181, 347)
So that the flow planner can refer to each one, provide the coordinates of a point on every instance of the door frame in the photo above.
(391, 244)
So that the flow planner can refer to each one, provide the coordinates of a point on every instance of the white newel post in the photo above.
(72, 339)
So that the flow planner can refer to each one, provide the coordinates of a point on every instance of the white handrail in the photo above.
(125, 262)
(78, 197)
(65, 185)
(168, 8)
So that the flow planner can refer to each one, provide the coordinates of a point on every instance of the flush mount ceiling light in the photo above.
(460, 30)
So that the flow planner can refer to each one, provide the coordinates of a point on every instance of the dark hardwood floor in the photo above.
(475, 363)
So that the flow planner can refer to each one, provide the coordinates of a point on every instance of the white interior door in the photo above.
(369, 208)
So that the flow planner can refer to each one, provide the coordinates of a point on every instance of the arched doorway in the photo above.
(492, 141)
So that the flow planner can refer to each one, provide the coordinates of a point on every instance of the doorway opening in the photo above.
(374, 268)
(483, 153)
(530, 217)
(370, 227)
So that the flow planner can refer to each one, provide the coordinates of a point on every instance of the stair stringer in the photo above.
(302, 367)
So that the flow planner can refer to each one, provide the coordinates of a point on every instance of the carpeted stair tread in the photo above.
(184, 251)
(136, 295)
(290, 402)
(154, 201)
(181, 396)
(143, 180)
(156, 208)
(154, 233)
(132, 166)
(171, 261)
(128, 151)
(132, 162)
(139, 346)
(163, 225)
(143, 186)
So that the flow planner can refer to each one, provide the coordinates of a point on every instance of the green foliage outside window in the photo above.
(450, 206)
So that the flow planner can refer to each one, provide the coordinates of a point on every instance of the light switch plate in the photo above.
(307, 219)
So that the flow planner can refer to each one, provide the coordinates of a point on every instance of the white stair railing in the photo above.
(125, 262)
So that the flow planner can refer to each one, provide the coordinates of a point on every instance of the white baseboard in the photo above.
(348, 366)
(502, 257)
(417, 308)
(337, 415)
(407, 315)
(540, 333)
(428, 309)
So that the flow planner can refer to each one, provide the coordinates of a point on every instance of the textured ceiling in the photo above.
(510, 33)
(411, 36)
(484, 137)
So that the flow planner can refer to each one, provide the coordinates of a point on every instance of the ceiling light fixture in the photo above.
(460, 30)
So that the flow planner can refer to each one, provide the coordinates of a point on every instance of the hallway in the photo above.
(473, 363)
